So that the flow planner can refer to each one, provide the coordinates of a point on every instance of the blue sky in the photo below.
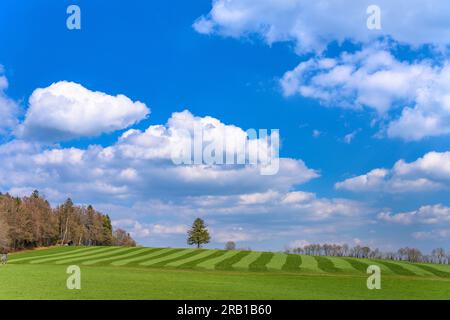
(213, 60)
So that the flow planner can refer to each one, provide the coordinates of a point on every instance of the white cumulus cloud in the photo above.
(67, 110)
(312, 25)
(374, 79)
(436, 214)
(428, 173)
(9, 109)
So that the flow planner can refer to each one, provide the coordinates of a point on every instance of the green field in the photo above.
(165, 273)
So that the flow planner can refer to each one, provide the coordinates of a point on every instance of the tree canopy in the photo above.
(30, 222)
(198, 234)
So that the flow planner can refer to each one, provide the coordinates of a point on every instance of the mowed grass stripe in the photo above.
(94, 250)
(441, 267)
(164, 256)
(29, 256)
(277, 261)
(309, 264)
(44, 252)
(228, 263)
(107, 253)
(357, 264)
(293, 262)
(194, 259)
(342, 265)
(104, 261)
(196, 262)
(396, 268)
(413, 268)
(326, 264)
(210, 264)
(185, 255)
(244, 263)
(142, 257)
(434, 271)
(260, 264)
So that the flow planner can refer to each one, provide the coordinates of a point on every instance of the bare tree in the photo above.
(230, 245)
(439, 255)
(30, 222)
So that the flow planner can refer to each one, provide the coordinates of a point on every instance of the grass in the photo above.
(357, 265)
(260, 264)
(293, 262)
(157, 273)
(434, 271)
(244, 263)
(141, 256)
(396, 268)
(309, 264)
(196, 262)
(193, 253)
(228, 263)
(210, 264)
(277, 262)
(326, 265)
(168, 255)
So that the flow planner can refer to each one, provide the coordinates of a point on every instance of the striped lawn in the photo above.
(211, 263)
(174, 254)
(191, 260)
(293, 263)
(132, 252)
(228, 263)
(112, 252)
(440, 267)
(245, 262)
(204, 260)
(277, 261)
(437, 270)
(326, 264)
(309, 264)
(260, 264)
(384, 268)
(342, 265)
(396, 268)
(44, 254)
(357, 264)
(222, 260)
(94, 250)
(186, 255)
(413, 268)
(143, 257)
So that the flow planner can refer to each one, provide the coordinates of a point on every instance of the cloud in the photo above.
(298, 205)
(312, 25)
(316, 133)
(429, 173)
(67, 110)
(140, 231)
(348, 138)
(135, 179)
(374, 79)
(298, 244)
(437, 214)
(236, 234)
(436, 234)
(371, 78)
(140, 166)
(9, 109)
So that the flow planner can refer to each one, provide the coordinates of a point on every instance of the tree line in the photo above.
(438, 255)
(31, 222)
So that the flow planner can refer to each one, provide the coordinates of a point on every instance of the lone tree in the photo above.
(230, 245)
(198, 234)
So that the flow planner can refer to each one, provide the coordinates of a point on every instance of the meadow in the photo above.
(168, 273)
